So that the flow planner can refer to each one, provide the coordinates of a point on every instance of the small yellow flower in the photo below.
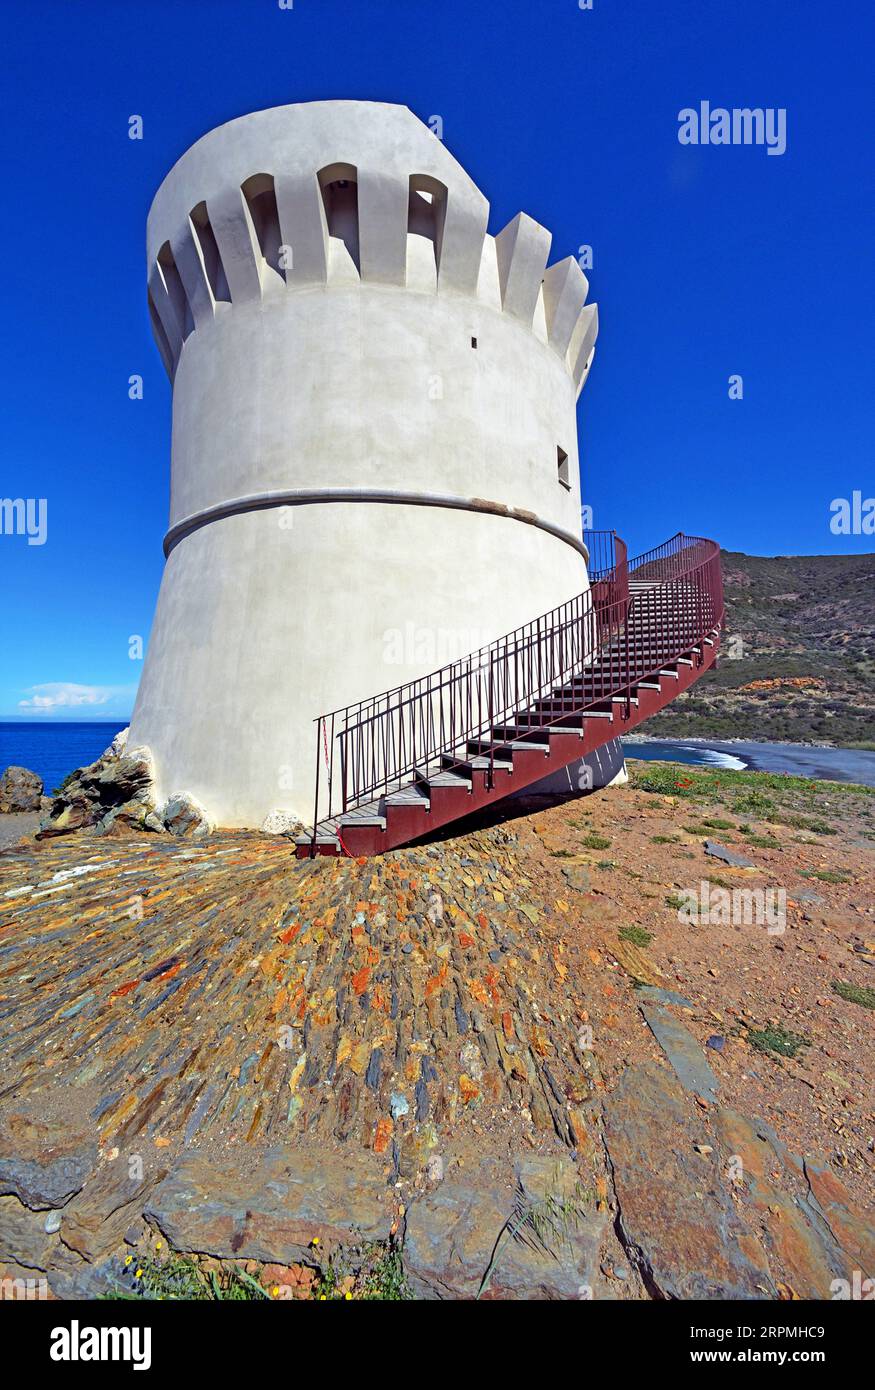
(347, 1294)
(321, 1298)
(139, 1274)
(315, 1240)
(159, 1244)
(275, 1290)
(129, 1260)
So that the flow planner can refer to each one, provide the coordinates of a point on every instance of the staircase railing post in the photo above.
(628, 666)
(344, 765)
(316, 798)
(491, 728)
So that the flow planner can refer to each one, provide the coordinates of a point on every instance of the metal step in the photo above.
(444, 778)
(517, 733)
(354, 818)
(505, 749)
(476, 762)
(321, 839)
(413, 795)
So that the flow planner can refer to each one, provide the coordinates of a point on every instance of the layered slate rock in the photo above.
(182, 814)
(291, 1203)
(727, 856)
(42, 1165)
(465, 1240)
(682, 1050)
(806, 1215)
(114, 793)
(95, 1221)
(676, 1212)
(20, 790)
(23, 1236)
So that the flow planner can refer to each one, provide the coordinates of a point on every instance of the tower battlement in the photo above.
(337, 194)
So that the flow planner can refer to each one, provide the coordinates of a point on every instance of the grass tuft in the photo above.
(778, 1040)
(592, 840)
(855, 994)
(638, 936)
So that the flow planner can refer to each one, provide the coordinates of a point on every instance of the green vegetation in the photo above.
(826, 875)
(71, 777)
(715, 784)
(776, 1039)
(593, 840)
(181, 1277)
(855, 994)
(637, 936)
(367, 1272)
(675, 902)
(665, 839)
(379, 1277)
(766, 796)
(704, 830)
(815, 827)
(755, 803)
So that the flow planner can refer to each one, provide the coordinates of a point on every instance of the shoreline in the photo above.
(707, 741)
(816, 762)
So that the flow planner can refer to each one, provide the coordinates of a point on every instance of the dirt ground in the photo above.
(740, 978)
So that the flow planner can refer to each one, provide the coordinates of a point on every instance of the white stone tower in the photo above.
(374, 452)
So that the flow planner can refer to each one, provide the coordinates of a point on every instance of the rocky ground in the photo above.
(509, 1062)
(16, 824)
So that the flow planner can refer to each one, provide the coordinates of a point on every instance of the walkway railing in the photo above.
(577, 655)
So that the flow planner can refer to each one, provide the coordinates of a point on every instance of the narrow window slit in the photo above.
(340, 195)
(260, 195)
(175, 290)
(562, 463)
(209, 249)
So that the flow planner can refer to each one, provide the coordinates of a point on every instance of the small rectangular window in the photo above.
(562, 460)
(473, 342)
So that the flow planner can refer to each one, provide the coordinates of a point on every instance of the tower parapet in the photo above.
(390, 207)
(374, 434)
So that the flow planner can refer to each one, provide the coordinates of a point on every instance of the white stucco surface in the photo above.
(353, 368)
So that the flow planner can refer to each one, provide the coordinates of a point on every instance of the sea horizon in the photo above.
(52, 748)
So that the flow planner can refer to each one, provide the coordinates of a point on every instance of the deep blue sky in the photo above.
(707, 262)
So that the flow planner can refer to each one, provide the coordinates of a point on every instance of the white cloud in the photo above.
(65, 695)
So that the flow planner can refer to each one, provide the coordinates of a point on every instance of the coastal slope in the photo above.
(797, 662)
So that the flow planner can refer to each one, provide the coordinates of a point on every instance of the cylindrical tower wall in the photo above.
(339, 326)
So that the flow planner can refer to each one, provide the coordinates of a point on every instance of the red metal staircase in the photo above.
(400, 765)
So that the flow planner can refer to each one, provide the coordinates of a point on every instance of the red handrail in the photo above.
(611, 634)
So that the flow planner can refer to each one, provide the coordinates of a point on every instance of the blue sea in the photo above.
(52, 749)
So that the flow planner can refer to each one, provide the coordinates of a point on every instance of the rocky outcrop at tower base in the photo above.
(116, 794)
(181, 814)
(20, 790)
(114, 791)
